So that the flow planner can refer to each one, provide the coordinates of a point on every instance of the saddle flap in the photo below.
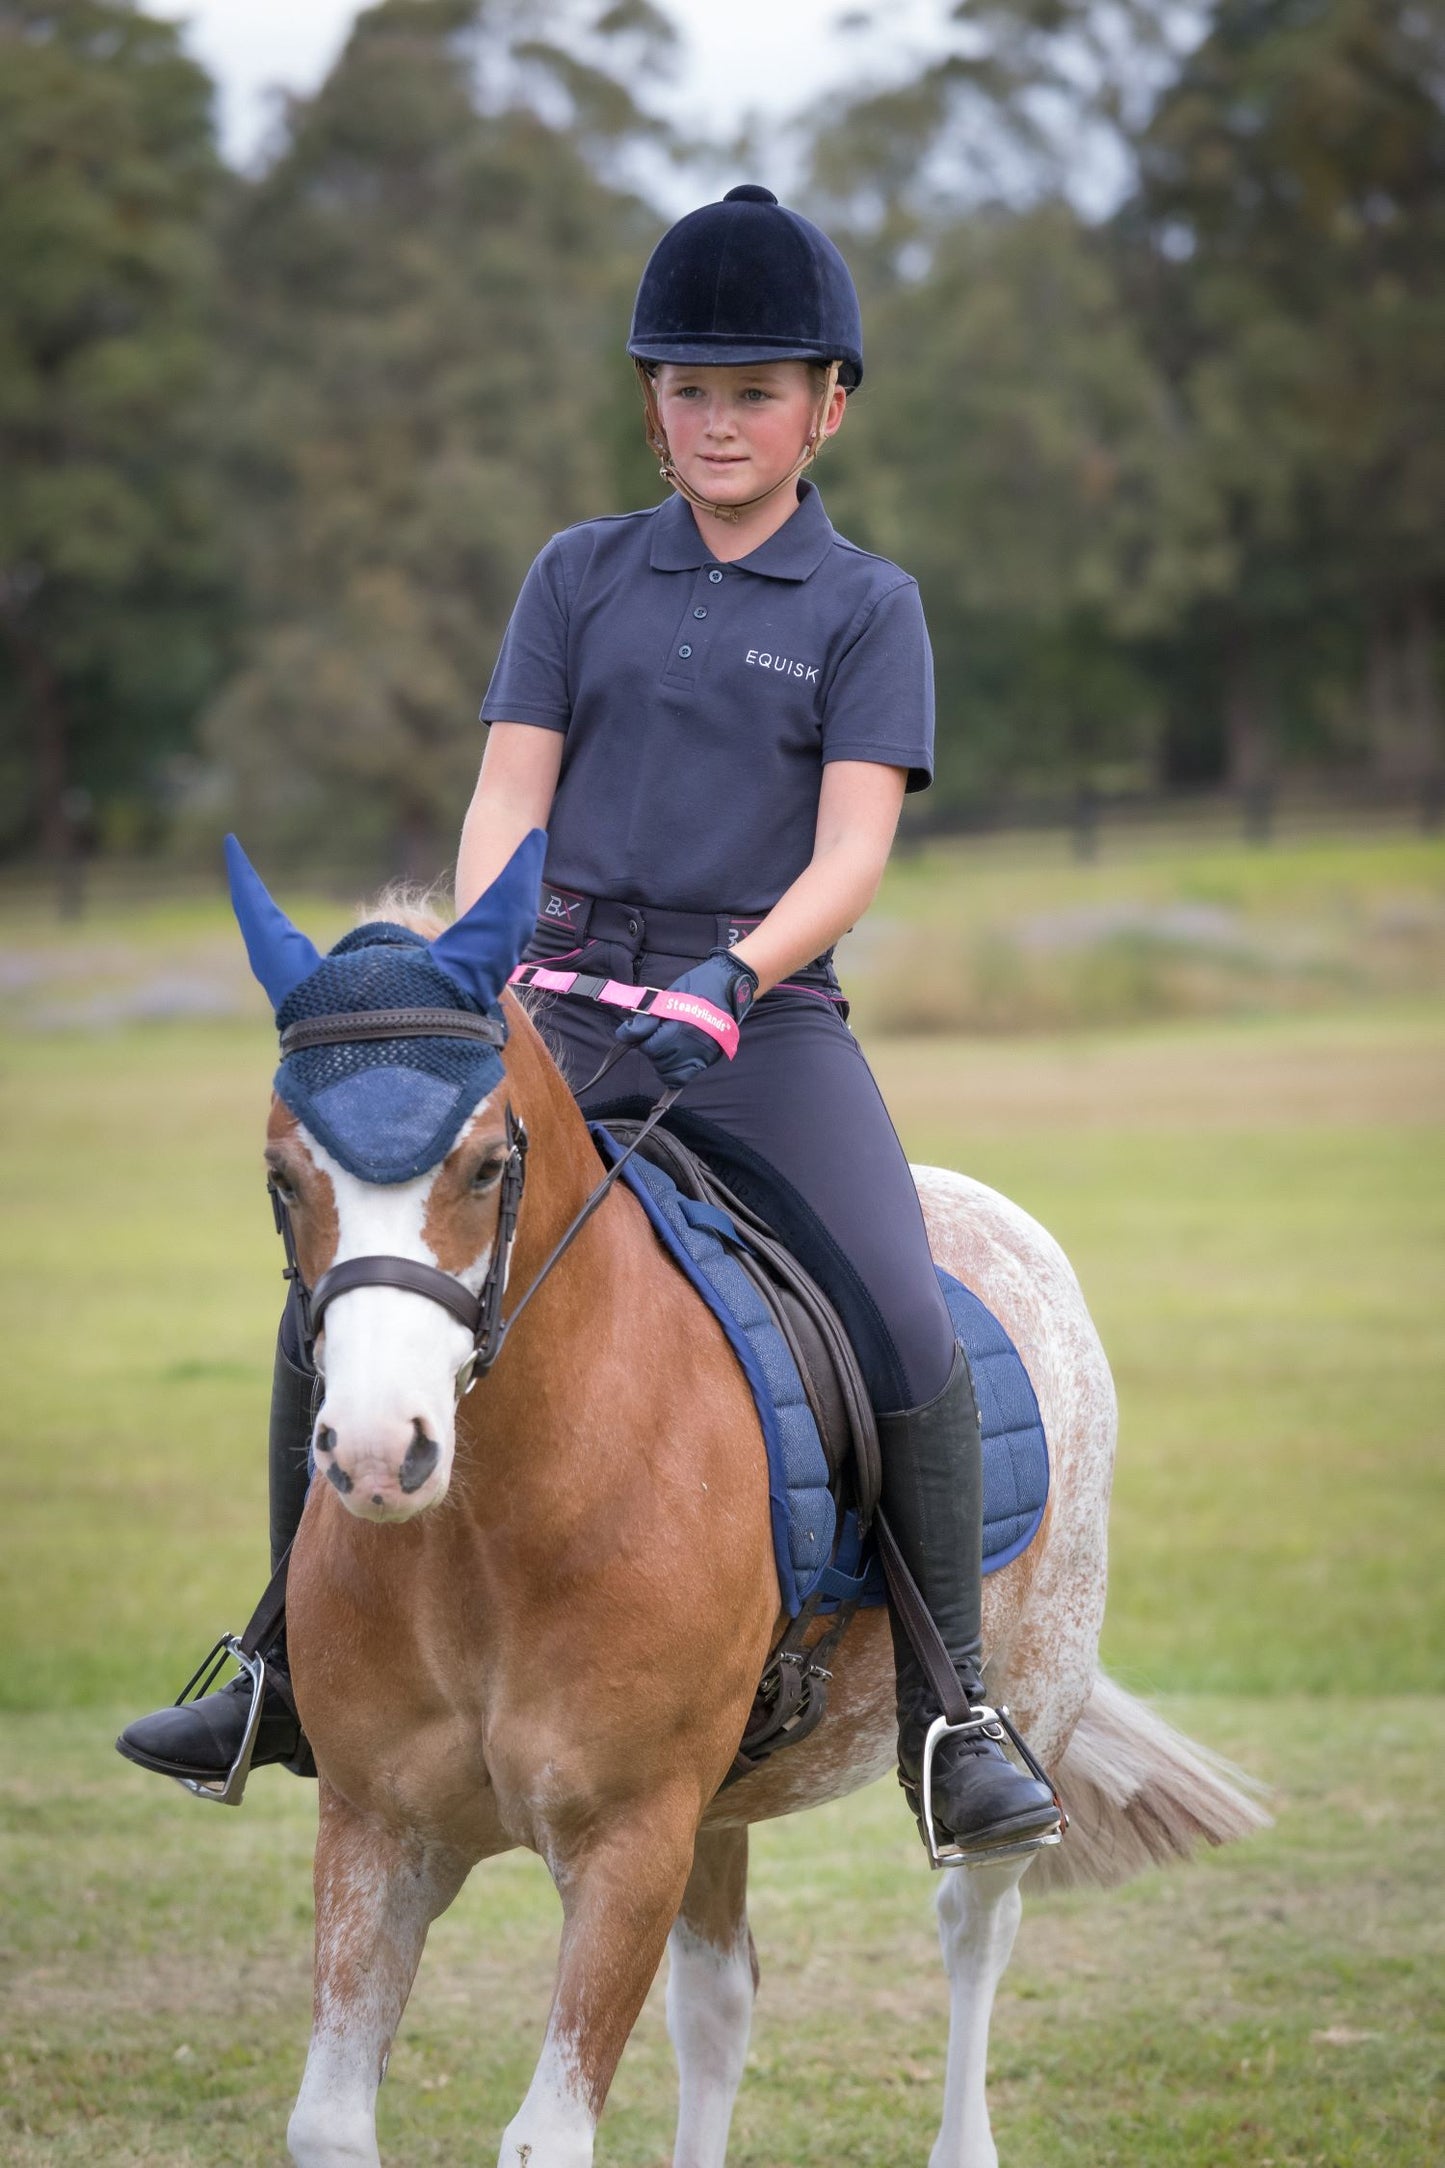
(802, 1312)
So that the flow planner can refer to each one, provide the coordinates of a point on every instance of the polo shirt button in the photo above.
(684, 650)
(699, 611)
(715, 576)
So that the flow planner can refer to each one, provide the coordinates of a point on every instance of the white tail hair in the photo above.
(1139, 1794)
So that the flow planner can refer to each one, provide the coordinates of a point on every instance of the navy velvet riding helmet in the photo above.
(748, 280)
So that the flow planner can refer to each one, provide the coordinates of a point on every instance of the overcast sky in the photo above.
(767, 57)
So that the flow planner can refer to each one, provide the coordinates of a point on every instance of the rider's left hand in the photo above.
(679, 1051)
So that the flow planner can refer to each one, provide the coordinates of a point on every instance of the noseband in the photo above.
(481, 1313)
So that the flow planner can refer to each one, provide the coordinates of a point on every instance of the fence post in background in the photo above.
(1085, 826)
(1258, 799)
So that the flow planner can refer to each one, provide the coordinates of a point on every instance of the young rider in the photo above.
(715, 708)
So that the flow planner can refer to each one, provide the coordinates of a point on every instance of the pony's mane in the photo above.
(420, 907)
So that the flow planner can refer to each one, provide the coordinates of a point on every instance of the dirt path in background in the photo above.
(1326, 1071)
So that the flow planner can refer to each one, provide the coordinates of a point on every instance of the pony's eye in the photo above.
(285, 1190)
(488, 1174)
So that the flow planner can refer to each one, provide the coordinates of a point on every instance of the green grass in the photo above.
(1276, 2004)
(1001, 935)
(1256, 1209)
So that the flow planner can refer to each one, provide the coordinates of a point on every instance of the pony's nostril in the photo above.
(325, 1439)
(421, 1457)
(339, 1477)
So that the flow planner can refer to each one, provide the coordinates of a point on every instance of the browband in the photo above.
(392, 1024)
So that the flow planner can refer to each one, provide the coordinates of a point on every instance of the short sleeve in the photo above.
(529, 684)
(879, 703)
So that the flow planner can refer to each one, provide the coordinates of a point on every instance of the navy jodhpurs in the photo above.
(795, 1125)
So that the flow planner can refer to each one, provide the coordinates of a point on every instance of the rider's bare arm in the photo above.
(858, 810)
(514, 793)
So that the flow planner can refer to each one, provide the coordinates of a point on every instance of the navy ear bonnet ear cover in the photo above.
(385, 1109)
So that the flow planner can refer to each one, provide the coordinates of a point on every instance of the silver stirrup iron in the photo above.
(229, 1790)
(994, 1724)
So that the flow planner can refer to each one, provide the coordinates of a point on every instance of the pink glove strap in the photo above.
(644, 1000)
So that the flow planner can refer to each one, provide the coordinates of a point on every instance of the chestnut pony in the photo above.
(553, 1638)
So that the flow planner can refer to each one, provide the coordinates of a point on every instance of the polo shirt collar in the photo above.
(793, 553)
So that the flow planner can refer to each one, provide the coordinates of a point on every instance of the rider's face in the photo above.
(735, 431)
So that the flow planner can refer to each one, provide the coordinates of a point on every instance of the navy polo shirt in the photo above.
(700, 701)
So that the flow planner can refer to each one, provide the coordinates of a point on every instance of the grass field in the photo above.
(1255, 1203)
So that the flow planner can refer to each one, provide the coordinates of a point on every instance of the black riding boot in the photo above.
(201, 1739)
(933, 1500)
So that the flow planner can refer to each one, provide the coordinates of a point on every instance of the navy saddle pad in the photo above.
(804, 1517)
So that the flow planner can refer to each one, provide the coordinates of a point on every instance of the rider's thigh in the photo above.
(801, 1098)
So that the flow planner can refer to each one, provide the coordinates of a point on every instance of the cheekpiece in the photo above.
(748, 280)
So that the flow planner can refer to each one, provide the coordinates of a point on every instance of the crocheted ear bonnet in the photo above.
(386, 1109)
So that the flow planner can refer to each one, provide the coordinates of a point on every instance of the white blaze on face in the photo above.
(388, 1358)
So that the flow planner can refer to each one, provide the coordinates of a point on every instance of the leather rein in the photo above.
(481, 1313)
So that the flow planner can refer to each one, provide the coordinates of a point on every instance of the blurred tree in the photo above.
(1286, 250)
(1016, 101)
(1016, 445)
(1246, 348)
(429, 297)
(110, 590)
(1016, 449)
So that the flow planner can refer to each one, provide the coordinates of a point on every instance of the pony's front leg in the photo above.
(712, 1977)
(377, 1893)
(978, 1916)
(620, 1895)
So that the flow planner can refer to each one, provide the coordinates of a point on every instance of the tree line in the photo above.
(1154, 406)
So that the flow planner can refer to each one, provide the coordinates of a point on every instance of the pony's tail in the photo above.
(1139, 1794)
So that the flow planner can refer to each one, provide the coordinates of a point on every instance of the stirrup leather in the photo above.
(227, 1791)
(989, 1723)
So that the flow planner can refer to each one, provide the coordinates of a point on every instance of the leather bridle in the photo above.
(481, 1313)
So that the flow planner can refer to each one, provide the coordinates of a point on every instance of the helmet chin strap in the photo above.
(657, 439)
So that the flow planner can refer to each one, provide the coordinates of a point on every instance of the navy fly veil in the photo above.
(386, 1109)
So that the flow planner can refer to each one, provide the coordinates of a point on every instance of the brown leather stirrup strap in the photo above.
(917, 1622)
(932, 1653)
(264, 1624)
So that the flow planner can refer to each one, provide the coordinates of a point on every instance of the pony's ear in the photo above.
(480, 950)
(281, 956)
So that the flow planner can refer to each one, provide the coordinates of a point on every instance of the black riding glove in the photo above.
(679, 1051)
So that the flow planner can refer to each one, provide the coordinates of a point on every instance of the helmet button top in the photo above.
(749, 192)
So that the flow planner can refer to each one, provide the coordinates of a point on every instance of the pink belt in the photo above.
(642, 1000)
